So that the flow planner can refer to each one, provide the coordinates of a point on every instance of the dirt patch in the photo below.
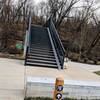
(12, 56)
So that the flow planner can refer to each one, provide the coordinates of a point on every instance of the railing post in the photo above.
(27, 37)
(25, 43)
(26, 54)
(58, 93)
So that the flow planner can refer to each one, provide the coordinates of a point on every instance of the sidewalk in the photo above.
(12, 75)
(91, 68)
(11, 79)
(72, 72)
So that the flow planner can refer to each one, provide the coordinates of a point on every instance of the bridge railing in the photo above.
(57, 42)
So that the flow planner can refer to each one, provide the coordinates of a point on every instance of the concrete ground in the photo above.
(72, 72)
(12, 76)
(91, 68)
(11, 79)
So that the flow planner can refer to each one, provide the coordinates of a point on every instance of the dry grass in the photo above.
(41, 98)
(98, 72)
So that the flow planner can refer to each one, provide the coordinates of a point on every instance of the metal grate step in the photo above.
(41, 50)
(40, 42)
(41, 58)
(40, 45)
(44, 53)
(41, 65)
(40, 55)
(41, 61)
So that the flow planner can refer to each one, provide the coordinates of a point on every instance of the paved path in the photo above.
(72, 72)
(11, 94)
(12, 75)
(11, 79)
(91, 68)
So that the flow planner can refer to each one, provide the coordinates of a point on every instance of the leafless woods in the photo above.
(76, 20)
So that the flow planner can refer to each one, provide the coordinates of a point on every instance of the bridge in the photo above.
(43, 46)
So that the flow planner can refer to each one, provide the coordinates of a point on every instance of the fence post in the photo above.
(58, 93)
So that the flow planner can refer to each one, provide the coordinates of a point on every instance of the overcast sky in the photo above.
(97, 4)
(36, 1)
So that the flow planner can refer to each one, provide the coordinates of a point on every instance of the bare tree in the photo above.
(60, 9)
(11, 17)
(97, 36)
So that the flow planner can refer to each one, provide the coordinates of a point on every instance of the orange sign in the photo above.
(58, 93)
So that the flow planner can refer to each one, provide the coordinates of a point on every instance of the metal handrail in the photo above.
(29, 31)
(57, 42)
(58, 37)
(55, 54)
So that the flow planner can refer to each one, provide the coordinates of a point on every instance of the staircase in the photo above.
(41, 50)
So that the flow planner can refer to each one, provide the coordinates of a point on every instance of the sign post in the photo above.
(58, 93)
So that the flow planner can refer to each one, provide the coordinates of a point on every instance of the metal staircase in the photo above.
(43, 48)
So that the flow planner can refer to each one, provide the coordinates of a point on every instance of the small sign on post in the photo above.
(58, 93)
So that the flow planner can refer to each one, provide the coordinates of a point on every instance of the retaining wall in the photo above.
(44, 87)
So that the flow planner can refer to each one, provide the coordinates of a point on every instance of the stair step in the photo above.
(38, 43)
(41, 61)
(44, 53)
(41, 46)
(41, 65)
(40, 55)
(40, 38)
(47, 45)
(41, 50)
(41, 58)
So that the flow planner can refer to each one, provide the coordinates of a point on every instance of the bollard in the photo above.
(58, 93)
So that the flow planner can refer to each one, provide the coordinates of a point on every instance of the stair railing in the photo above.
(29, 31)
(57, 42)
(27, 39)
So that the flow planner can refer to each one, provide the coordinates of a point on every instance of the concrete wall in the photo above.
(82, 91)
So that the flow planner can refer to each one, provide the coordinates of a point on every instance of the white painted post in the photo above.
(26, 43)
